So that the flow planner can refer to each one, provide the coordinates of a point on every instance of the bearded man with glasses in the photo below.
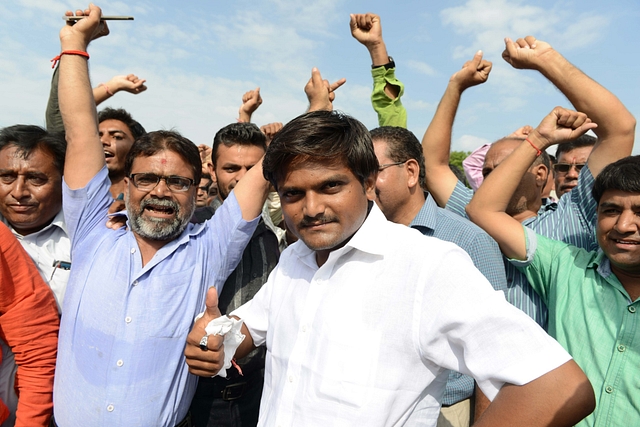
(133, 294)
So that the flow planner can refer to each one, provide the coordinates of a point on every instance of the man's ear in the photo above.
(126, 187)
(541, 173)
(212, 172)
(413, 173)
(370, 186)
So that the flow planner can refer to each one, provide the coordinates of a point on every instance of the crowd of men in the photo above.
(346, 257)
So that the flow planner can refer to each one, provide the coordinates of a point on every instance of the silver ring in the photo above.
(203, 343)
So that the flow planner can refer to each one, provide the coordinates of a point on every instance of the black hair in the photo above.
(28, 138)
(579, 142)
(122, 115)
(321, 136)
(238, 134)
(623, 175)
(153, 142)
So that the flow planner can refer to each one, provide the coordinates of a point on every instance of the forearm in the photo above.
(436, 145)
(562, 397)
(390, 110)
(243, 116)
(251, 192)
(489, 204)
(79, 116)
(616, 125)
(380, 57)
(52, 114)
(100, 93)
(247, 345)
(481, 405)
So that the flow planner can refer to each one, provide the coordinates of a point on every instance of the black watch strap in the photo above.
(390, 64)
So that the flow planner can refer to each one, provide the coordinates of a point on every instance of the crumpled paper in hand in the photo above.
(230, 329)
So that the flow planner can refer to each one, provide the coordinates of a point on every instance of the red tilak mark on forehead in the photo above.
(163, 161)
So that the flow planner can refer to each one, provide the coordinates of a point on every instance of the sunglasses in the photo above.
(565, 167)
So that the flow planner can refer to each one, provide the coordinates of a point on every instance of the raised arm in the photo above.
(251, 100)
(321, 93)
(85, 155)
(488, 206)
(436, 143)
(129, 83)
(616, 125)
(387, 89)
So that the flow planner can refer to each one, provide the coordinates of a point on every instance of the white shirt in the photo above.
(49, 245)
(364, 338)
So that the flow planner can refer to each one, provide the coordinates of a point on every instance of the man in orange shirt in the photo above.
(29, 326)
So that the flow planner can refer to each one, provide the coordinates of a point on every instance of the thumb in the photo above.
(352, 22)
(477, 59)
(212, 311)
(316, 77)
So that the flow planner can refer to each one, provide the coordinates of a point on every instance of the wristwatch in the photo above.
(390, 64)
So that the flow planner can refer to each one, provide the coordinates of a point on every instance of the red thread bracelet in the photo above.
(538, 151)
(106, 88)
(69, 52)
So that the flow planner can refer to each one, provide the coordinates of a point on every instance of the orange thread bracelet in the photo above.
(538, 151)
(69, 52)
(106, 88)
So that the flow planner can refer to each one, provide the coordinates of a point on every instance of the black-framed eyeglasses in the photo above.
(565, 167)
(388, 165)
(148, 181)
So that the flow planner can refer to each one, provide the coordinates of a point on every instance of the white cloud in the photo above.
(489, 21)
(421, 67)
(468, 143)
(417, 104)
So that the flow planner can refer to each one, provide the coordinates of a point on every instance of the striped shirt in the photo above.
(572, 220)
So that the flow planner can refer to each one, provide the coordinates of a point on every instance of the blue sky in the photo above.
(200, 57)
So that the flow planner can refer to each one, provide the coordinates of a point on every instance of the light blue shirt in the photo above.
(122, 336)
(486, 257)
(572, 220)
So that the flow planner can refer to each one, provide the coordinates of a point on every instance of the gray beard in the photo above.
(159, 228)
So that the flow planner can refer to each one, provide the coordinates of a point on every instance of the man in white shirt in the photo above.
(362, 317)
(31, 162)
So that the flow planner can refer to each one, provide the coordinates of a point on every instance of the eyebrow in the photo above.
(635, 207)
(114, 131)
(337, 177)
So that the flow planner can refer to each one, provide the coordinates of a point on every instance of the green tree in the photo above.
(457, 157)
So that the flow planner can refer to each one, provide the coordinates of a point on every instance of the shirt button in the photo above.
(631, 309)
(304, 328)
(135, 283)
(127, 319)
(290, 378)
(133, 250)
(120, 362)
(110, 408)
(608, 389)
(621, 348)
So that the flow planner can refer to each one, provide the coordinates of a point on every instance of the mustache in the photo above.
(160, 202)
(308, 221)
